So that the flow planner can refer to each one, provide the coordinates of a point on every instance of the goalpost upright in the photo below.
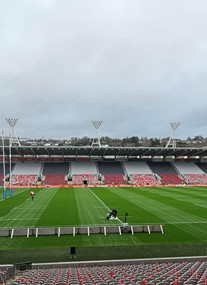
(4, 172)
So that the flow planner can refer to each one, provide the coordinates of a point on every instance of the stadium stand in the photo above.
(6, 272)
(135, 167)
(80, 179)
(113, 179)
(84, 172)
(144, 179)
(169, 272)
(54, 179)
(167, 173)
(192, 173)
(79, 167)
(171, 179)
(188, 168)
(55, 168)
(202, 166)
(6, 168)
(55, 173)
(112, 172)
(26, 168)
(139, 173)
(110, 168)
(195, 179)
(24, 180)
(1, 179)
(25, 174)
(104, 173)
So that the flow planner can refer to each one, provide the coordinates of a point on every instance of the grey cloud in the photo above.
(136, 65)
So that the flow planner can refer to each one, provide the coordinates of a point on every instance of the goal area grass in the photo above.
(182, 210)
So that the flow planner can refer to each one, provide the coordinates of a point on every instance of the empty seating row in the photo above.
(55, 168)
(172, 179)
(165, 273)
(24, 180)
(83, 167)
(144, 179)
(54, 179)
(110, 168)
(142, 173)
(114, 179)
(134, 167)
(187, 168)
(196, 179)
(21, 168)
(84, 178)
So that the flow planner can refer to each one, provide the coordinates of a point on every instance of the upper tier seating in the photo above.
(167, 172)
(137, 167)
(25, 168)
(188, 168)
(162, 168)
(144, 179)
(55, 168)
(202, 166)
(7, 168)
(112, 172)
(159, 273)
(55, 173)
(110, 168)
(79, 167)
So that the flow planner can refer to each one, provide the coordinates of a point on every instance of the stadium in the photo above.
(103, 215)
(127, 207)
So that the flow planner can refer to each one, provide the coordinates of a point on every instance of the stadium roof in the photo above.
(77, 151)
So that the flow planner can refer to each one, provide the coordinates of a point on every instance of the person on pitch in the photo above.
(32, 195)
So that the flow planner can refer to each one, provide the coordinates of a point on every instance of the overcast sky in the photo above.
(136, 65)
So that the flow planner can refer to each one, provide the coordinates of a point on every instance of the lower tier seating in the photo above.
(1, 179)
(55, 179)
(114, 179)
(144, 179)
(172, 179)
(90, 178)
(196, 179)
(163, 273)
(24, 180)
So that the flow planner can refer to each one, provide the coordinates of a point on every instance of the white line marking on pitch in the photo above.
(103, 204)
(99, 207)
(20, 219)
(14, 194)
(200, 205)
(202, 222)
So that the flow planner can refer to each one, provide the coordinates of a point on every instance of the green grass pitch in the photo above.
(182, 210)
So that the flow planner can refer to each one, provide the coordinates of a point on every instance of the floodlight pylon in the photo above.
(12, 123)
(172, 141)
(96, 140)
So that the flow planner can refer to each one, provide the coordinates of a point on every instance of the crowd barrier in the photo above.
(123, 229)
